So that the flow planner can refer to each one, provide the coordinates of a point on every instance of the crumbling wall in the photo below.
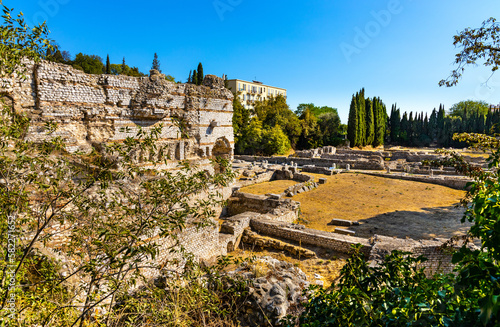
(93, 109)
(298, 233)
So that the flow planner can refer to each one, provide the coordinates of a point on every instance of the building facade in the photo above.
(249, 92)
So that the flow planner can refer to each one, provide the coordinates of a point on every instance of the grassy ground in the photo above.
(383, 206)
(274, 187)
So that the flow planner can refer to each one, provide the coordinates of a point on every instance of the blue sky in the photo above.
(320, 51)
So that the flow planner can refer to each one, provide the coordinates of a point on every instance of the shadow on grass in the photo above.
(430, 223)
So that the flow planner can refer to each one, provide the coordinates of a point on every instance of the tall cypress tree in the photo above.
(380, 114)
(124, 67)
(440, 123)
(361, 128)
(108, 66)
(395, 123)
(190, 78)
(200, 74)
(352, 122)
(194, 79)
(370, 122)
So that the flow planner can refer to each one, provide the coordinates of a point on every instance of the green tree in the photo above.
(108, 65)
(311, 136)
(19, 41)
(361, 128)
(370, 122)
(275, 141)
(156, 63)
(195, 77)
(468, 108)
(123, 66)
(380, 113)
(90, 64)
(200, 75)
(476, 45)
(352, 123)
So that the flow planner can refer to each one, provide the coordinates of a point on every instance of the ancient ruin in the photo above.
(92, 109)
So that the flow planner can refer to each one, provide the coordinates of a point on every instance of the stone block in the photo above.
(345, 231)
(322, 180)
(340, 222)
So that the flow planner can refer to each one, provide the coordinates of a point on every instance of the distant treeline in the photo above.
(417, 129)
(92, 64)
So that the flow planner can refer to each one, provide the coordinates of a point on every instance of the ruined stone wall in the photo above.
(92, 109)
(196, 124)
(282, 210)
(340, 161)
(340, 243)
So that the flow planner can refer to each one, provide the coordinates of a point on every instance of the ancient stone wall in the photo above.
(281, 210)
(340, 161)
(340, 243)
(91, 109)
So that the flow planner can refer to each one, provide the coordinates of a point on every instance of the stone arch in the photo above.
(230, 247)
(222, 148)
(6, 100)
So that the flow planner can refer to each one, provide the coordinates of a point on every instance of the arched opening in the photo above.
(230, 247)
(6, 101)
(222, 148)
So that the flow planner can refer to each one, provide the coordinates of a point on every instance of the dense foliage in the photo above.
(367, 121)
(438, 129)
(272, 128)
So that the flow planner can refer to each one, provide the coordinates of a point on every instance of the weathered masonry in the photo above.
(92, 109)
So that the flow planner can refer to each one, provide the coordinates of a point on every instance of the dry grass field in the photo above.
(274, 187)
(383, 206)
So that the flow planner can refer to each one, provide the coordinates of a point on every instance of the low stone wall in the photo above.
(458, 183)
(438, 259)
(280, 209)
(340, 243)
(340, 162)
(318, 170)
(259, 178)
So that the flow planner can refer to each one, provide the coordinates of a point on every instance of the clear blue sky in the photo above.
(321, 51)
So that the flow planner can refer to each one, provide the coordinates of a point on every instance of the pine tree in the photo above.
(156, 63)
(190, 78)
(194, 79)
(370, 122)
(108, 66)
(200, 74)
(124, 66)
(352, 122)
